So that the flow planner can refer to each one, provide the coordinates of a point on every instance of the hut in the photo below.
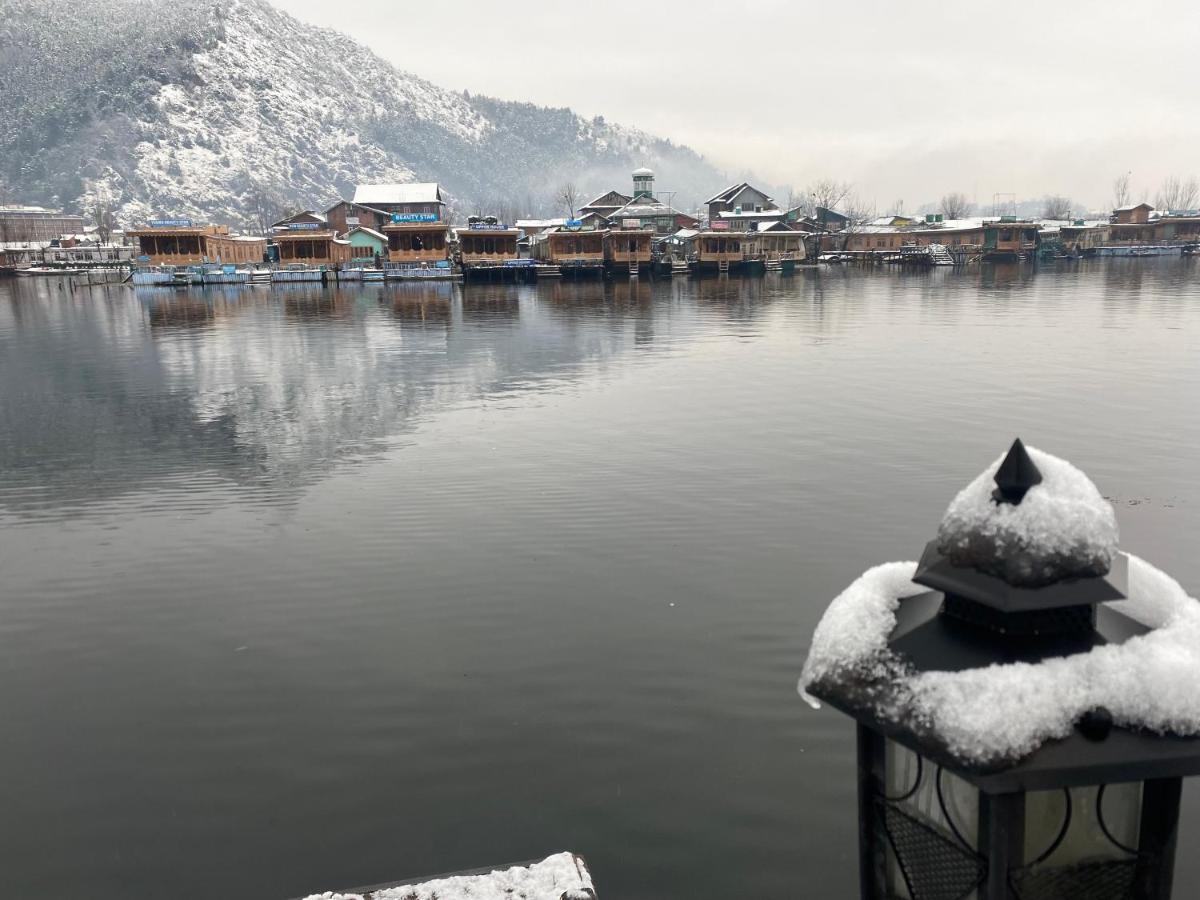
(179, 242)
(628, 250)
(1009, 239)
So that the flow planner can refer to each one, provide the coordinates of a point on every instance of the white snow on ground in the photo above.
(1004, 712)
(1062, 528)
(550, 879)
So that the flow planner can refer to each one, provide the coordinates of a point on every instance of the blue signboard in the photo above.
(574, 223)
(170, 223)
(414, 217)
(303, 226)
(520, 262)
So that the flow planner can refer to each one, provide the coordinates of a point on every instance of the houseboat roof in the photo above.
(1132, 206)
(298, 217)
(327, 234)
(390, 194)
(467, 229)
(415, 226)
(539, 223)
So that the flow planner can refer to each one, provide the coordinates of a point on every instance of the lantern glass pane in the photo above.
(911, 785)
(1084, 839)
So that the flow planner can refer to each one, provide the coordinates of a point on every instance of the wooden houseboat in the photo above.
(311, 248)
(628, 251)
(488, 250)
(417, 244)
(178, 242)
(722, 251)
(778, 247)
(1009, 240)
(577, 253)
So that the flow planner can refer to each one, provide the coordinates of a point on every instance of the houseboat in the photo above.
(628, 251)
(417, 247)
(778, 247)
(722, 252)
(487, 250)
(575, 252)
(1009, 240)
(301, 245)
(179, 242)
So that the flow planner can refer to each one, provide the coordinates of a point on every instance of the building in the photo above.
(576, 251)
(1009, 239)
(604, 205)
(35, 223)
(345, 215)
(417, 202)
(1134, 214)
(367, 246)
(179, 242)
(738, 198)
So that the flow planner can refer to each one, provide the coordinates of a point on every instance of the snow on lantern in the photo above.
(1027, 699)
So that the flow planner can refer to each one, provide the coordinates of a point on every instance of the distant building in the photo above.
(604, 205)
(346, 215)
(417, 202)
(1134, 214)
(738, 198)
(34, 223)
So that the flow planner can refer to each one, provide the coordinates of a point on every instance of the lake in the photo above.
(307, 588)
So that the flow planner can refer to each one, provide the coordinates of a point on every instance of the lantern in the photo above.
(1091, 813)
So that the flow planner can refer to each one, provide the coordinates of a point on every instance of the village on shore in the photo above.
(404, 231)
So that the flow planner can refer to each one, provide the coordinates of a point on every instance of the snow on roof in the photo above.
(1132, 206)
(751, 214)
(538, 223)
(643, 172)
(727, 193)
(371, 231)
(388, 194)
(686, 234)
(563, 875)
(1003, 712)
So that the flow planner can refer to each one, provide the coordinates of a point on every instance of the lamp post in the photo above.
(1092, 810)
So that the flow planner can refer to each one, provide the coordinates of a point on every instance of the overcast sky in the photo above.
(907, 100)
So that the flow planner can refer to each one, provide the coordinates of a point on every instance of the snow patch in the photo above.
(1062, 528)
(550, 879)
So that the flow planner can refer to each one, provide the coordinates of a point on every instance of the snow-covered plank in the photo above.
(563, 876)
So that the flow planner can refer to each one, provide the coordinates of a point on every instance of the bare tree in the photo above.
(1057, 207)
(1121, 191)
(103, 215)
(1177, 193)
(897, 208)
(265, 207)
(567, 197)
(827, 193)
(955, 205)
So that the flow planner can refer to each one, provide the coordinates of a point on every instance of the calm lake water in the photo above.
(311, 588)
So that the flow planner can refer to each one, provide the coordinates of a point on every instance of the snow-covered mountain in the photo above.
(233, 110)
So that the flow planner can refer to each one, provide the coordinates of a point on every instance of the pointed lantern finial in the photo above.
(1016, 475)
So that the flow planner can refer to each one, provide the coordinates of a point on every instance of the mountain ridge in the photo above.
(234, 110)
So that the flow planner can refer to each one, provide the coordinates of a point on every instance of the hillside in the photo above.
(234, 110)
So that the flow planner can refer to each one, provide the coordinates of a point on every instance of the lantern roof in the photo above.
(1037, 629)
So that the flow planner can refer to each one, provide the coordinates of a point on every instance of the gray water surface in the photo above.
(307, 588)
